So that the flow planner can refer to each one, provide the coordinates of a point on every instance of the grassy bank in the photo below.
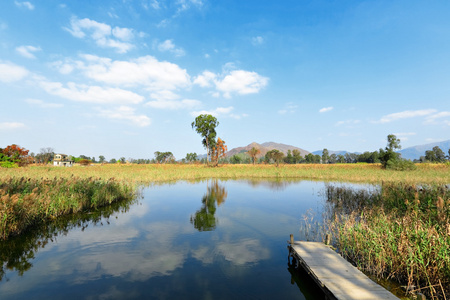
(25, 202)
(401, 233)
(136, 174)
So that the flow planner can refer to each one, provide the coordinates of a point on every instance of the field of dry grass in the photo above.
(137, 174)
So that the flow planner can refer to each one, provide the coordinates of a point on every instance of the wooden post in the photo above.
(292, 239)
(327, 239)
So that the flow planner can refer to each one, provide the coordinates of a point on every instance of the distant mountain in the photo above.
(340, 152)
(266, 147)
(416, 152)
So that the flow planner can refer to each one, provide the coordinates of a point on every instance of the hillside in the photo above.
(266, 147)
(416, 152)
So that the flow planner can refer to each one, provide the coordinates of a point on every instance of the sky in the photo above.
(127, 78)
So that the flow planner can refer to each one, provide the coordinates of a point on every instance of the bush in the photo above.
(400, 165)
(8, 164)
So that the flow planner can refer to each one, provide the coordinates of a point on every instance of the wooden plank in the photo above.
(336, 276)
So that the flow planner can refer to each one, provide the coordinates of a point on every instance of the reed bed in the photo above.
(27, 201)
(401, 232)
(138, 174)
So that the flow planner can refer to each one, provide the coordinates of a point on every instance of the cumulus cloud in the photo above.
(405, 115)
(144, 71)
(326, 109)
(24, 4)
(233, 81)
(91, 94)
(169, 46)
(103, 34)
(10, 72)
(127, 114)
(11, 125)
(27, 51)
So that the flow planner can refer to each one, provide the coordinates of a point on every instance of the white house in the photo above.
(62, 160)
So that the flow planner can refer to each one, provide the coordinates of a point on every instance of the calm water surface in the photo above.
(204, 240)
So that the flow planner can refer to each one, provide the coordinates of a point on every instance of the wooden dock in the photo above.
(335, 276)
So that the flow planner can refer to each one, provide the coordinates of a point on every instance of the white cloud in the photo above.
(91, 94)
(186, 4)
(26, 51)
(43, 104)
(144, 71)
(205, 79)
(102, 34)
(405, 114)
(326, 109)
(169, 46)
(24, 4)
(125, 113)
(217, 112)
(233, 81)
(125, 34)
(10, 72)
(433, 118)
(257, 40)
(241, 82)
(11, 125)
(64, 67)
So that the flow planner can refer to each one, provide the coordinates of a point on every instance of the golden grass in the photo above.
(137, 174)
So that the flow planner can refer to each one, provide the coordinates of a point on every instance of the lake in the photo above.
(213, 239)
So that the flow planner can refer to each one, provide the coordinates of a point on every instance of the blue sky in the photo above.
(126, 79)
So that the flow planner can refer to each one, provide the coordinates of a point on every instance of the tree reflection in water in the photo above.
(205, 219)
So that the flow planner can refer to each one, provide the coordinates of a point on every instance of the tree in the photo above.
(325, 156)
(218, 151)
(389, 154)
(163, 157)
(309, 158)
(435, 155)
(191, 157)
(14, 155)
(101, 159)
(112, 161)
(205, 125)
(333, 158)
(275, 155)
(235, 159)
(46, 154)
(253, 153)
(289, 159)
(297, 156)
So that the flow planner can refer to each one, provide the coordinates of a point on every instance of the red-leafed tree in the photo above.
(16, 154)
(218, 152)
